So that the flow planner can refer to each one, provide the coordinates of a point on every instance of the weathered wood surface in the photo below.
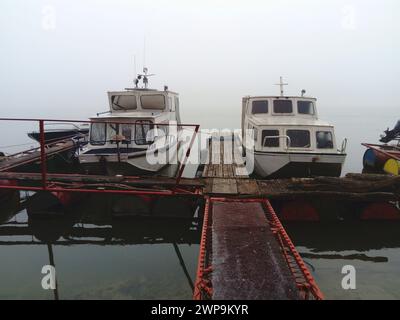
(354, 187)
(78, 178)
(224, 159)
(225, 173)
(23, 158)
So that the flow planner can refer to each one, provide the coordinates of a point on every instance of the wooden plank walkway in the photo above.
(225, 173)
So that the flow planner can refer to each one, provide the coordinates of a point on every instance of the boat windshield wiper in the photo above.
(119, 106)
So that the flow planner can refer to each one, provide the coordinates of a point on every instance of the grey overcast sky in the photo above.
(59, 57)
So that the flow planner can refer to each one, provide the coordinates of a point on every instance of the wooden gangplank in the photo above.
(225, 171)
(246, 254)
(246, 259)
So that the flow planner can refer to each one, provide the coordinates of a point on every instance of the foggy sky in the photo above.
(58, 58)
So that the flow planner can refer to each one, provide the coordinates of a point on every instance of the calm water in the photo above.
(97, 256)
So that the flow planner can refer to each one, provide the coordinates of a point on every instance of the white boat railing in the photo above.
(288, 141)
(344, 146)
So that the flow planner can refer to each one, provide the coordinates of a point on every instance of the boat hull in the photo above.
(52, 136)
(287, 165)
(126, 163)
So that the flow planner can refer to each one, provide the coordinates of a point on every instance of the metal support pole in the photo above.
(43, 154)
(178, 178)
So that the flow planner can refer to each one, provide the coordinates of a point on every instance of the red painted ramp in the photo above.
(246, 254)
(247, 260)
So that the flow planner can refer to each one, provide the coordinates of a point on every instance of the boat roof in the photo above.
(137, 115)
(142, 90)
(280, 97)
(287, 121)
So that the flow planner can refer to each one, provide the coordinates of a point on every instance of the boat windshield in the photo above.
(324, 140)
(283, 106)
(299, 138)
(124, 102)
(153, 101)
(259, 106)
(98, 133)
(305, 107)
(143, 130)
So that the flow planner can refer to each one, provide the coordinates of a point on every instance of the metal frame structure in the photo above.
(53, 187)
(305, 282)
(378, 148)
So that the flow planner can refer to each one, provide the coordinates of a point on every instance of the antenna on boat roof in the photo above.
(135, 81)
(281, 84)
(145, 76)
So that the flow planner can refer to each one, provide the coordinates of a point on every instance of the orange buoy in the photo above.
(392, 167)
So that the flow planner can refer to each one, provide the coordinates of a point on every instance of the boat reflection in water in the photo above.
(371, 247)
(104, 222)
(102, 250)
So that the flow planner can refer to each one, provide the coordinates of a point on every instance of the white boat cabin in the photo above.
(286, 124)
(137, 111)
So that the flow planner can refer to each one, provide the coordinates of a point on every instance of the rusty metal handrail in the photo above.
(43, 155)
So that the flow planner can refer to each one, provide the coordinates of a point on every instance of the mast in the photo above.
(281, 84)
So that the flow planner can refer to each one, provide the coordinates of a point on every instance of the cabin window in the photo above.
(299, 138)
(259, 107)
(142, 129)
(126, 132)
(124, 102)
(324, 140)
(270, 138)
(98, 133)
(153, 101)
(305, 107)
(176, 102)
(283, 106)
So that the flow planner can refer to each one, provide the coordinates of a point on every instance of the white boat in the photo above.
(138, 135)
(283, 137)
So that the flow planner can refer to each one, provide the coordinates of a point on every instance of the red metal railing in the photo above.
(202, 287)
(50, 187)
(390, 151)
(304, 280)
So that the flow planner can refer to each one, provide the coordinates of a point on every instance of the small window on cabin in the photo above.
(283, 106)
(124, 102)
(153, 101)
(176, 102)
(142, 136)
(299, 138)
(126, 132)
(98, 133)
(270, 138)
(305, 107)
(258, 107)
(324, 140)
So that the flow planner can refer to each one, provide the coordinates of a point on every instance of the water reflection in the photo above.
(132, 255)
(372, 247)
(102, 250)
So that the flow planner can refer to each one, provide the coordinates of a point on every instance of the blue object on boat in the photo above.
(369, 159)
